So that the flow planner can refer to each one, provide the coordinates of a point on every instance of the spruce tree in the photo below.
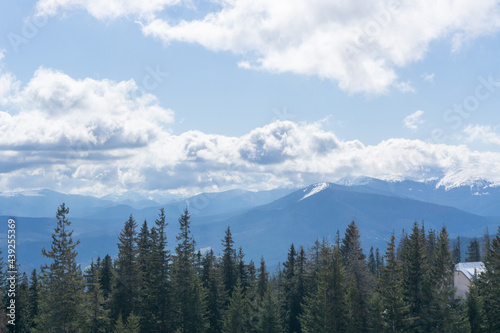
(126, 290)
(372, 263)
(489, 284)
(473, 251)
(228, 264)
(158, 287)
(357, 272)
(268, 315)
(395, 312)
(457, 251)
(216, 294)
(263, 279)
(236, 317)
(444, 310)
(145, 311)
(486, 243)
(23, 317)
(242, 270)
(97, 315)
(475, 309)
(189, 294)
(415, 267)
(33, 298)
(106, 276)
(62, 285)
(324, 307)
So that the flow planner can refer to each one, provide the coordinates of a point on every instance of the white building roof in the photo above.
(470, 268)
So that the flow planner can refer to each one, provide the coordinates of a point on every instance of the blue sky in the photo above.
(189, 96)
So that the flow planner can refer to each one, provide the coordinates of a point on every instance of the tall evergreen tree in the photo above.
(444, 310)
(356, 272)
(106, 276)
(61, 282)
(146, 309)
(158, 286)
(473, 251)
(216, 294)
(457, 251)
(486, 243)
(395, 312)
(189, 294)
(489, 283)
(415, 266)
(228, 263)
(263, 279)
(292, 297)
(475, 310)
(242, 270)
(268, 315)
(372, 263)
(324, 308)
(236, 318)
(23, 317)
(97, 315)
(34, 291)
(126, 290)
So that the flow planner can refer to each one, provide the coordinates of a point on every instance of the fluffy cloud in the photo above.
(54, 117)
(356, 43)
(414, 120)
(485, 134)
(99, 136)
(107, 9)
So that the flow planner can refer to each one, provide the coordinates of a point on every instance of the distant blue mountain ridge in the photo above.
(263, 223)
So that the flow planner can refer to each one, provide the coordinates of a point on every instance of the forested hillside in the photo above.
(328, 287)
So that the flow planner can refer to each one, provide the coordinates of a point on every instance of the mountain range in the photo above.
(264, 223)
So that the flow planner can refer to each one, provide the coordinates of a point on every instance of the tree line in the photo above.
(330, 287)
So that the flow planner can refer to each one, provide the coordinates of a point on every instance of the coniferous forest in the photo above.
(329, 287)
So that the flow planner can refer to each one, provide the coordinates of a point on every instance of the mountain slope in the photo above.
(319, 210)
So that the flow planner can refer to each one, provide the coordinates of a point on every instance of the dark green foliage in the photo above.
(97, 315)
(262, 281)
(473, 251)
(415, 267)
(489, 285)
(106, 276)
(157, 287)
(62, 287)
(33, 298)
(126, 289)
(324, 308)
(372, 263)
(475, 310)
(188, 292)
(444, 310)
(216, 294)
(236, 318)
(268, 315)
(456, 252)
(293, 289)
(333, 289)
(396, 313)
(228, 263)
(360, 281)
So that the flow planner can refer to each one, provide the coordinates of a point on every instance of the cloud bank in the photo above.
(358, 44)
(100, 136)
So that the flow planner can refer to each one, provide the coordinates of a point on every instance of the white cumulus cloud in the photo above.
(414, 120)
(358, 44)
(483, 133)
(100, 136)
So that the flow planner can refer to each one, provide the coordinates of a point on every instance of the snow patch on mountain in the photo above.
(316, 188)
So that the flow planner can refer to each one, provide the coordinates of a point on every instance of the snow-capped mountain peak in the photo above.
(316, 188)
